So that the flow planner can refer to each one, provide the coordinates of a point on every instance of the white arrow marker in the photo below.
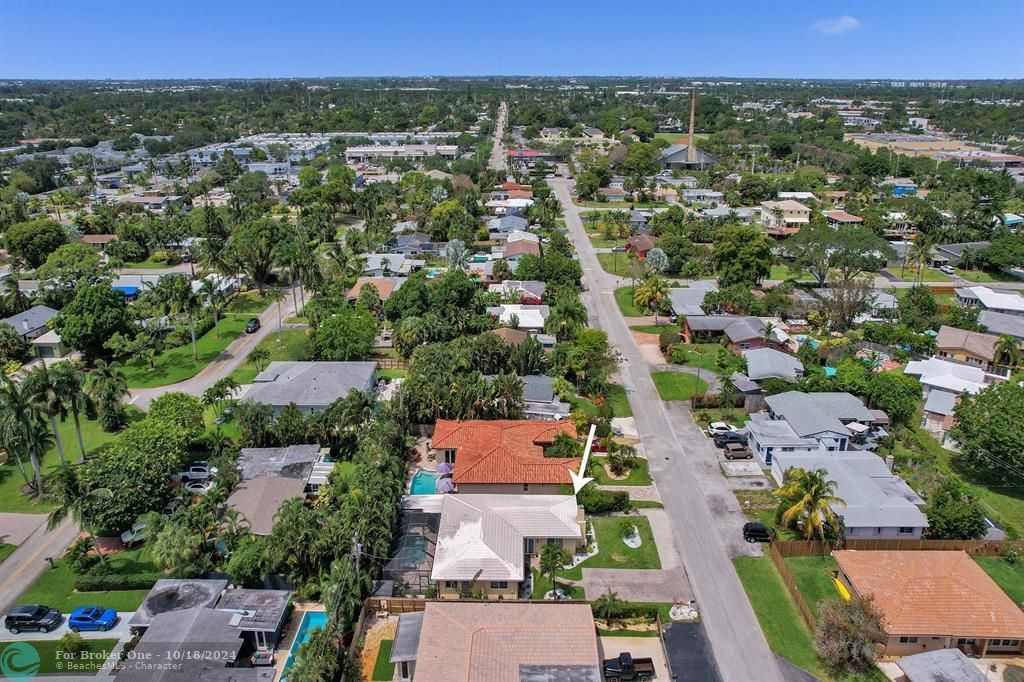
(578, 480)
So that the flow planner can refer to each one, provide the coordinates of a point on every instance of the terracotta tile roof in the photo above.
(99, 238)
(490, 642)
(504, 451)
(520, 194)
(932, 593)
(843, 217)
(522, 247)
(511, 337)
(385, 286)
(642, 242)
(975, 343)
(516, 185)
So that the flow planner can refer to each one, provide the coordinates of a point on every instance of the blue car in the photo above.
(92, 618)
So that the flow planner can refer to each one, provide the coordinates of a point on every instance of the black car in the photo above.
(757, 532)
(724, 438)
(32, 617)
(252, 326)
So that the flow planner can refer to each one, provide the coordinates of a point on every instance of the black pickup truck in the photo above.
(626, 668)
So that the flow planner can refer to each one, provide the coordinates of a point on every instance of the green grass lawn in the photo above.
(88, 663)
(599, 241)
(247, 303)
(615, 263)
(382, 669)
(613, 552)
(624, 297)
(928, 275)
(811, 574)
(178, 364)
(148, 264)
(940, 298)
(542, 585)
(638, 475)
(983, 277)
(1010, 577)
(6, 551)
(780, 271)
(11, 482)
(654, 328)
(290, 344)
(616, 396)
(678, 385)
(701, 355)
(56, 586)
(392, 373)
(735, 416)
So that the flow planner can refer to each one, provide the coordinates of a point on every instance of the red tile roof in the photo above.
(932, 593)
(504, 451)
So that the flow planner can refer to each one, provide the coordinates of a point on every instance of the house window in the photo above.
(908, 640)
(906, 530)
(449, 456)
(499, 584)
(526, 487)
(787, 449)
(554, 541)
(878, 531)
(406, 671)
(964, 642)
(851, 531)
(451, 584)
(528, 547)
(744, 346)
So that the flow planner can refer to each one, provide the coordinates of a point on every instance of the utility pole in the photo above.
(357, 550)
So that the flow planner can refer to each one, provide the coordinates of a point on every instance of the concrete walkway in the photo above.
(16, 528)
(647, 493)
(224, 364)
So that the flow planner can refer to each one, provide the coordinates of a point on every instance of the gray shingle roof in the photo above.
(688, 301)
(942, 665)
(1002, 323)
(308, 384)
(259, 498)
(34, 318)
(811, 413)
(736, 328)
(293, 461)
(940, 402)
(765, 363)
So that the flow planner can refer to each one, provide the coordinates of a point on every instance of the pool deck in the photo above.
(291, 631)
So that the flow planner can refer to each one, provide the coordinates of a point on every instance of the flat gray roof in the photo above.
(293, 461)
(262, 610)
(170, 594)
(407, 638)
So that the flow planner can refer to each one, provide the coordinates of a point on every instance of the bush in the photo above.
(173, 258)
(71, 644)
(596, 501)
(79, 558)
(667, 339)
(126, 250)
(117, 581)
(158, 257)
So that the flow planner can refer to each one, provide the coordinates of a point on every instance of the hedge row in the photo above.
(117, 581)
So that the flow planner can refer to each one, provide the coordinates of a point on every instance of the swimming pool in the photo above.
(311, 620)
(424, 483)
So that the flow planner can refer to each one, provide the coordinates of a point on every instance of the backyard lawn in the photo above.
(780, 272)
(1008, 576)
(624, 297)
(382, 669)
(702, 355)
(392, 373)
(292, 346)
(616, 396)
(613, 552)
(599, 241)
(11, 482)
(812, 577)
(56, 586)
(178, 364)
(93, 656)
(678, 385)
(247, 303)
(638, 475)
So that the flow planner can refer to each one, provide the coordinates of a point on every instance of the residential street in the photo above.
(497, 160)
(740, 649)
(28, 562)
(225, 363)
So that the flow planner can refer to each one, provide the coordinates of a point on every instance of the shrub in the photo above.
(117, 581)
(173, 258)
(596, 501)
(847, 632)
(79, 558)
(158, 257)
(71, 644)
(667, 338)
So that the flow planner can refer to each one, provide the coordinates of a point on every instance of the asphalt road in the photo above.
(28, 562)
(497, 160)
(740, 649)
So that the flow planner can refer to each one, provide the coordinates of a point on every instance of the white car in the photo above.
(197, 471)
(199, 487)
(947, 270)
(135, 535)
(720, 427)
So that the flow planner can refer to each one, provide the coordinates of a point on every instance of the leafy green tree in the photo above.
(35, 240)
(847, 632)
(180, 409)
(808, 497)
(953, 514)
(918, 308)
(248, 563)
(255, 421)
(290, 428)
(651, 293)
(741, 255)
(253, 246)
(450, 220)
(72, 263)
(309, 177)
(347, 335)
(174, 546)
(989, 430)
(105, 387)
(553, 559)
(66, 490)
(96, 313)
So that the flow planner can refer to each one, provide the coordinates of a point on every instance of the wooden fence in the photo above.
(790, 583)
(788, 548)
(392, 363)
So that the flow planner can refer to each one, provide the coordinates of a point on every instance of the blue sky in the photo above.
(758, 38)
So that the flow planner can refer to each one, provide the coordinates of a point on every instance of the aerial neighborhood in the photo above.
(512, 379)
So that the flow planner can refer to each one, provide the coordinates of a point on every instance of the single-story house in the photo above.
(768, 363)
(515, 250)
(389, 265)
(540, 400)
(797, 196)
(707, 196)
(943, 375)
(878, 504)
(133, 285)
(937, 416)
(961, 345)
(312, 386)
(31, 323)
(511, 337)
(529, 318)
(1001, 323)
(404, 226)
(641, 244)
(271, 477)
(415, 244)
(507, 223)
(613, 193)
(953, 253)
(385, 286)
(540, 641)
(485, 541)
(680, 156)
(688, 301)
(941, 665)
(739, 214)
(49, 346)
(934, 600)
(743, 332)
(1008, 302)
(99, 241)
(638, 219)
(504, 455)
(524, 290)
(841, 218)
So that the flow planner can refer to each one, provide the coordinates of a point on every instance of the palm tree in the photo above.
(810, 497)
(174, 546)
(276, 295)
(19, 426)
(566, 318)
(553, 558)
(210, 292)
(13, 298)
(67, 378)
(185, 302)
(608, 606)
(456, 254)
(344, 263)
(651, 293)
(259, 356)
(72, 496)
(919, 255)
(46, 397)
(107, 386)
(1008, 352)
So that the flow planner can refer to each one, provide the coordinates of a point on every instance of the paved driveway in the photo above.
(689, 652)
(16, 528)
(640, 647)
(119, 631)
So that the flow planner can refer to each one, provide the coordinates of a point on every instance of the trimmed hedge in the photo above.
(596, 501)
(117, 581)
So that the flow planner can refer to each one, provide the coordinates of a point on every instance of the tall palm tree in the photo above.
(1008, 352)
(13, 298)
(19, 426)
(68, 379)
(47, 398)
(811, 498)
(185, 302)
(210, 293)
(72, 495)
(651, 293)
(276, 295)
(107, 386)
(919, 255)
(553, 558)
(344, 263)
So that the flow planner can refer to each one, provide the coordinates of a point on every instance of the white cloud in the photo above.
(833, 27)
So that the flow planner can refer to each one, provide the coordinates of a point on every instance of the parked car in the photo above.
(618, 249)
(947, 269)
(625, 668)
(134, 535)
(757, 532)
(737, 451)
(172, 506)
(197, 471)
(721, 439)
(92, 618)
(199, 487)
(720, 427)
(31, 617)
(252, 326)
